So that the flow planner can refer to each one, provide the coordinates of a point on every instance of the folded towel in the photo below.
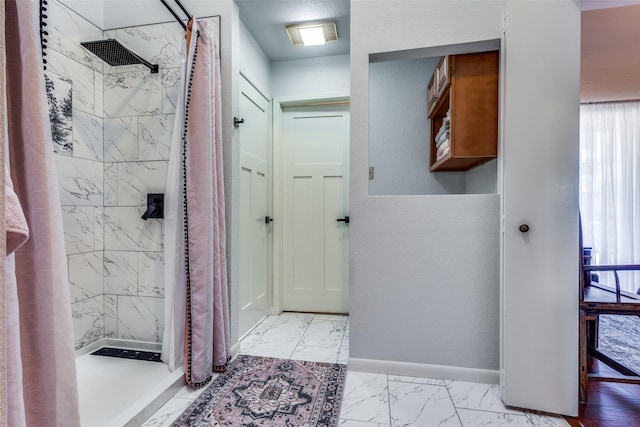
(15, 223)
(442, 154)
(444, 137)
(443, 150)
(441, 131)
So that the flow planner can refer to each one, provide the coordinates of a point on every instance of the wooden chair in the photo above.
(595, 300)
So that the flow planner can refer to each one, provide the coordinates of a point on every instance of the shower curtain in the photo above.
(3, 328)
(196, 294)
(37, 301)
(3, 249)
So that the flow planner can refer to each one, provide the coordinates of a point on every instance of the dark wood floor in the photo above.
(610, 404)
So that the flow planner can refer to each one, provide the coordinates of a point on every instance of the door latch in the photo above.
(345, 219)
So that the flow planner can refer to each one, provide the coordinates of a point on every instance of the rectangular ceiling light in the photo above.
(312, 34)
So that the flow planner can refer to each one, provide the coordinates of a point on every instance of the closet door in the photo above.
(255, 201)
(315, 200)
(539, 156)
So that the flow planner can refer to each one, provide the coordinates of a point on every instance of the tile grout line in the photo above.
(344, 334)
(388, 398)
(301, 336)
(455, 408)
(486, 411)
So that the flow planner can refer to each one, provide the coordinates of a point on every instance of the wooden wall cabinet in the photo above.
(466, 86)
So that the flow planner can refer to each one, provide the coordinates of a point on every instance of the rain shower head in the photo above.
(114, 54)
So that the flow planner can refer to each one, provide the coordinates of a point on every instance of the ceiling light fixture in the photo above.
(312, 33)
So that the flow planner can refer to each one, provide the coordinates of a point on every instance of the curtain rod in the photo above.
(175, 15)
(610, 102)
(184, 9)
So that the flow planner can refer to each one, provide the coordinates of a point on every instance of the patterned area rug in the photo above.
(619, 337)
(263, 391)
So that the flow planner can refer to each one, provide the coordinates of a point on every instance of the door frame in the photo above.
(278, 105)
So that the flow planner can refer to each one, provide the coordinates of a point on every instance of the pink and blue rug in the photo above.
(267, 392)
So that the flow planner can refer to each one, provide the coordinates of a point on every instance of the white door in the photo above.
(539, 158)
(315, 242)
(255, 181)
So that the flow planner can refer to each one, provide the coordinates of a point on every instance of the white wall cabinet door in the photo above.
(539, 155)
(315, 246)
(255, 186)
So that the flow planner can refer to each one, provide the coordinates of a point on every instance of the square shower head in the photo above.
(115, 54)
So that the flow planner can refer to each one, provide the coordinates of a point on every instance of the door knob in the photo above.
(523, 228)
(345, 219)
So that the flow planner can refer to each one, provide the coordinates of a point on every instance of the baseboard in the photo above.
(485, 376)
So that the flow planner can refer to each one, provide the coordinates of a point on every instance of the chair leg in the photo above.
(582, 358)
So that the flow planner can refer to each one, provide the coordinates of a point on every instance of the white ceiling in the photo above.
(266, 19)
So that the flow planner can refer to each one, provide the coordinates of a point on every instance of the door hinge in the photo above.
(370, 172)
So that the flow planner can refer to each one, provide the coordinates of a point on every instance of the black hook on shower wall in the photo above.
(237, 122)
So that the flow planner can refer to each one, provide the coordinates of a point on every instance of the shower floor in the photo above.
(118, 391)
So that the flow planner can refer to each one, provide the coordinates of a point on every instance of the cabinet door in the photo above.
(442, 72)
(431, 94)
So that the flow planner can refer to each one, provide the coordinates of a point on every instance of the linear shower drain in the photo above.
(128, 354)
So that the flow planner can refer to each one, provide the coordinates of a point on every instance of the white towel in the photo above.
(444, 137)
(443, 150)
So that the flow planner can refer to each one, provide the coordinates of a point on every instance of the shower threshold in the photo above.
(123, 392)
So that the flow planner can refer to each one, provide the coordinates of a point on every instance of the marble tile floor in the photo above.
(371, 400)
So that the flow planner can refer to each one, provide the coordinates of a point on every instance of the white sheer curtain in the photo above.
(610, 186)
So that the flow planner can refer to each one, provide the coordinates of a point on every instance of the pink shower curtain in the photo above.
(207, 332)
(45, 327)
(203, 290)
(3, 249)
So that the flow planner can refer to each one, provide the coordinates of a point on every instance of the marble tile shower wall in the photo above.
(121, 132)
(80, 165)
(139, 111)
